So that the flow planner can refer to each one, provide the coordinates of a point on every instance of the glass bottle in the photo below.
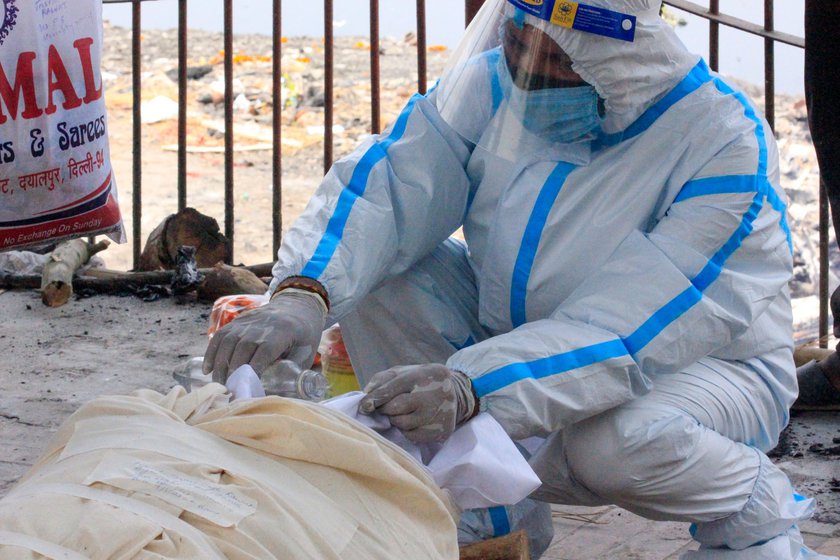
(190, 375)
(285, 378)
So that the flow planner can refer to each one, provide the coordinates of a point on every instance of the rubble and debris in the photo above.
(158, 109)
(193, 72)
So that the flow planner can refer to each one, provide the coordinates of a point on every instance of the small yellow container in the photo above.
(335, 364)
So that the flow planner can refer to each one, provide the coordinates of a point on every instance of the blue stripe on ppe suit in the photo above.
(747, 183)
(355, 189)
(632, 344)
(531, 241)
(501, 524)
(698, 76)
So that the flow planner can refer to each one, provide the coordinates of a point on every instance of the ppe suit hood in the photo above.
(629, 76)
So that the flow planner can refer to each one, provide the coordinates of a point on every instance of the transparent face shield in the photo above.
(509, 87)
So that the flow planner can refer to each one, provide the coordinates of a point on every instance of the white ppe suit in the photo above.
(625, 298)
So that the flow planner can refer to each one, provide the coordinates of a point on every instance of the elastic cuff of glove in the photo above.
(313, 295)
(477, 406)
(305, 284)
(465, 380)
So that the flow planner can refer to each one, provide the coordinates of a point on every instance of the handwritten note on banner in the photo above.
(56, 179)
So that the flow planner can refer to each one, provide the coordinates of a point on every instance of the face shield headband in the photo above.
(578, 16)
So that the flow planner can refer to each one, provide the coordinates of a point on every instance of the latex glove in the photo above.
(287, 327)
(426, 402)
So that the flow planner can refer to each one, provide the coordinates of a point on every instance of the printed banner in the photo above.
(56, 179)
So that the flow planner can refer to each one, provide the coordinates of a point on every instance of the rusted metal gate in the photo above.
(711, 13)
(471, 7)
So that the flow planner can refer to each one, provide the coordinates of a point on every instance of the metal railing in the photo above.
(711, 13)
(329, 50)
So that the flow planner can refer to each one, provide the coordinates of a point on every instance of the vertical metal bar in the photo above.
(375, 110)
(471, 8)
(824, 296)
(277, 167)
(329, 51)
(182, 104)
(137, 132)
(714, 36)
(769, 66)
(421, 46)
(229, 216)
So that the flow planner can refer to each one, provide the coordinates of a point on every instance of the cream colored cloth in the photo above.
(190, 476)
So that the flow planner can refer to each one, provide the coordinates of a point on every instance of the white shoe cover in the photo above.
(788, 546)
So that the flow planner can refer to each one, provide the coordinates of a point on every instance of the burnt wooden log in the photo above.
(805, 353)
(224, 280)
(187, 227)
(509, 547)
(106, 281)
(65, 260)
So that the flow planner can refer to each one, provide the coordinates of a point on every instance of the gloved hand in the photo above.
(426, 402)
(287, 327)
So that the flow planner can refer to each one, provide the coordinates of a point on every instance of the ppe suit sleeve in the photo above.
(380, 209)
(664, 299)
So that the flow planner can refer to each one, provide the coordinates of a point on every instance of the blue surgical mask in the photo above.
(562, 115)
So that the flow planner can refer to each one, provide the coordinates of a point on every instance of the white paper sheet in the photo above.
(479, 464)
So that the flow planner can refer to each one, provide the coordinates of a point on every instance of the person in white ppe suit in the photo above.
(622, 292)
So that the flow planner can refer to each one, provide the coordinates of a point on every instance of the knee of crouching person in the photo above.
(621, 454)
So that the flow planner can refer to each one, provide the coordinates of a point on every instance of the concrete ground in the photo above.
(54, 360)
(611, 533)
